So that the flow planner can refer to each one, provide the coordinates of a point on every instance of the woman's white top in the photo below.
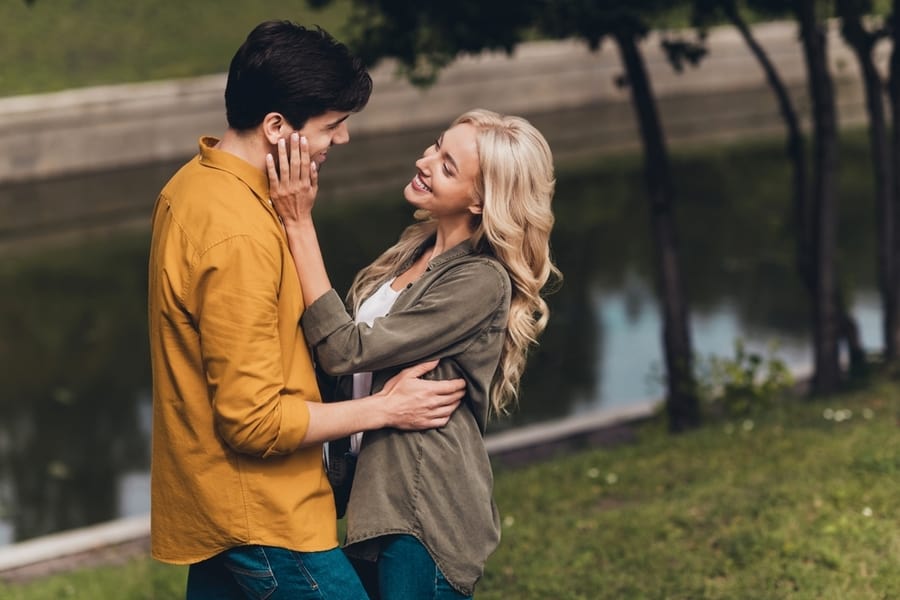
(376, 305)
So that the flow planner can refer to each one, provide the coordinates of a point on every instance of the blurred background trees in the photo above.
(425, 37)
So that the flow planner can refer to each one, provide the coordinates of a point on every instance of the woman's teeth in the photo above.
(420, 184)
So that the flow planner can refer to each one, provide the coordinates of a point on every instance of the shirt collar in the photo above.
(256, 180)
(463, 248)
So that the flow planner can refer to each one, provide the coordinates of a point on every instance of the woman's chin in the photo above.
(411, 195)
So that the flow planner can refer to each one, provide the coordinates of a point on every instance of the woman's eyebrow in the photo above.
(450, 159)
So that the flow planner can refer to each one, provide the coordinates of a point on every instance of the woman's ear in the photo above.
(475, 208)
(274, 127)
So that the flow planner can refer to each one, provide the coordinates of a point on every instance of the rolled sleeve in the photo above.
(323, 317)
(294, 425)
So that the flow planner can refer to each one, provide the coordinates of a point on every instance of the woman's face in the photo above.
(445, 182)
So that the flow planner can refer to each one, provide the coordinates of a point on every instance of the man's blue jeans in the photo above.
(267, 573)
(407, 572)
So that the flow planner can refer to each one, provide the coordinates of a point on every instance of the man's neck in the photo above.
(246, 146)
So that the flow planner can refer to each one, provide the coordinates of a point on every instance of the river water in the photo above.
(74, 387)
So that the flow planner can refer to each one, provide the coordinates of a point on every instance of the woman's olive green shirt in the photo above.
(435, 485)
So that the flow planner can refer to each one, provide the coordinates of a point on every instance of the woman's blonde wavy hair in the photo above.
(515, 188)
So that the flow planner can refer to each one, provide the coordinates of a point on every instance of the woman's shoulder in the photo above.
(480, 264)
(482, 275)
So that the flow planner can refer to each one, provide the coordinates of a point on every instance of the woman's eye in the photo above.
(447, 171)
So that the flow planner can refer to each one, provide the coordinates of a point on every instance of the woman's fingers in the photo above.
(293, 180)
(284, 163)
(273, 174)
(299, 149)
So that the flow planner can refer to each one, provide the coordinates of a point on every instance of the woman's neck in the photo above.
(449, 235)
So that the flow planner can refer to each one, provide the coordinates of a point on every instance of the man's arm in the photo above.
(405, 402)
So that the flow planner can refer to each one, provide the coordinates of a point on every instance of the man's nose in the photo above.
(342, 135)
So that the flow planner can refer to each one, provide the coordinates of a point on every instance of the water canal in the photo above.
(74, 386)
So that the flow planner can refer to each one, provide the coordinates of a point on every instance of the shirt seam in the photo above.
(199, 255)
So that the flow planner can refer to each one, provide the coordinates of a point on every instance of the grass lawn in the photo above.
(796, 503)
(57, 44)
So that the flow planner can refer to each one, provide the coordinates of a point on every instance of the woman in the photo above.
(461, 285)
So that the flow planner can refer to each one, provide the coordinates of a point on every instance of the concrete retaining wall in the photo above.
(112, 126)
(124, 539)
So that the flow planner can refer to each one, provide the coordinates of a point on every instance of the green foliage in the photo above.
(745, 384)
(425, 39)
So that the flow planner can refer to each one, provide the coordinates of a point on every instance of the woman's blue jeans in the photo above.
(407, 572)
(267, 573)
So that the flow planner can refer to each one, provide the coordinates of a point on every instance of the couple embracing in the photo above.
(247, 336)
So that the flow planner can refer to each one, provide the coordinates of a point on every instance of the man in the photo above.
(238, 487)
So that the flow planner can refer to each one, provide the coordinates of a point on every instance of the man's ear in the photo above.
(274, 127)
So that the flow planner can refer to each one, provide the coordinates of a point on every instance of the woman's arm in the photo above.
(406, 402)
(293, 194)
(462, 301)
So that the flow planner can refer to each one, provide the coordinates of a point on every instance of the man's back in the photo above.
(231, 371)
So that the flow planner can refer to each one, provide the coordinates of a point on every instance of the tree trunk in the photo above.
(893, 314)
(801, 205)
(682, 405)
(863, 43)
(796, 149)
(826, 323)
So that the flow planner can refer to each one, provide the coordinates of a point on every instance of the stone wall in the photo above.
(103, 128)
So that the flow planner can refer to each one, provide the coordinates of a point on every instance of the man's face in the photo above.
(324, 131)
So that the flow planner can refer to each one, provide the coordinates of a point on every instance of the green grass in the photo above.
(58, 44)
(790, 504)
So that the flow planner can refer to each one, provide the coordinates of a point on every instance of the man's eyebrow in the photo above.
(339, 121)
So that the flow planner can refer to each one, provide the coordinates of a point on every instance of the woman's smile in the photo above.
(419, 184)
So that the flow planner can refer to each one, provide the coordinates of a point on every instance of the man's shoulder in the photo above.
(212, 203)
(194, 180)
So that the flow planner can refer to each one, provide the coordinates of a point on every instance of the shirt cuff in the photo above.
(294, 425)
(323, 317)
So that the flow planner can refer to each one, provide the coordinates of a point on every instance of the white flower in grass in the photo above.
(828, 414)
(747, 425)
(593, 473)
(867, 512)
(611, 478)
(843, 415)
(509, 521)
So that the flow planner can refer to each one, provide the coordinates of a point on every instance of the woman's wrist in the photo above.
(298, 224)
